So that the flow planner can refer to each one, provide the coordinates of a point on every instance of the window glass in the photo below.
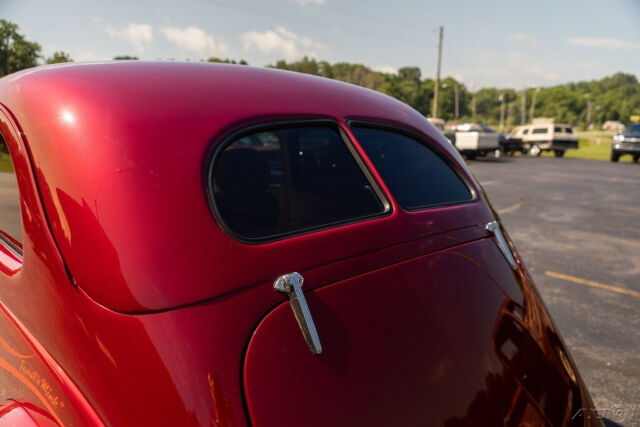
(557, 129)
(282, 181)
(10, 219)
(539, 130)
(416, 176)
(526, 131)
(568, 130)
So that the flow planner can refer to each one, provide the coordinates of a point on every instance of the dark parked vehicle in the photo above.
(508, 143)
(216, 245)
(627, 142)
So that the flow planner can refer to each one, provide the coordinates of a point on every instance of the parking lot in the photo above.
(576, 224)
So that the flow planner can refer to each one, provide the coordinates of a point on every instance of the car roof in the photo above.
(120, 151)
(547, 124)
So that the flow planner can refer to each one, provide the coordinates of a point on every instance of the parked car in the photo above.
(539, 137)
(627, 142)
(472, 140)
(209, 244)
(509, 144)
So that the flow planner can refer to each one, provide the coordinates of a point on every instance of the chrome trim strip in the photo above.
(493, 228)
(12, 247)
(291, 284)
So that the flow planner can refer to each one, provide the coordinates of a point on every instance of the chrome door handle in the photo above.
(291, 284)
(493, 228)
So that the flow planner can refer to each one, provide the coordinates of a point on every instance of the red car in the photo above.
(224, 245)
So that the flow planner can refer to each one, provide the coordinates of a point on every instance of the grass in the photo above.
(5, 163)
(594, 145)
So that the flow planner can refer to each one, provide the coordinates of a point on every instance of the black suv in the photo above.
(627, 142)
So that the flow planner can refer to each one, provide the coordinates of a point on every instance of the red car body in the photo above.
(130, 303)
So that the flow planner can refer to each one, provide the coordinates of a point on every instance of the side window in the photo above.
(539, 130)
(568, 130)
(10, 219)
(525, 131)
(557, 129)
(416, 176)
(290, 180)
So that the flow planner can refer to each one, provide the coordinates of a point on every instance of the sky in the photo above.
(498, 43)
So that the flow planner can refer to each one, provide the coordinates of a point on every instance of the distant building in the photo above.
(613, 125)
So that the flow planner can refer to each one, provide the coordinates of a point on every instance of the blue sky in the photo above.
(504, 43)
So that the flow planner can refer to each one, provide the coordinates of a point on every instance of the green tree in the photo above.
(59, 57)
(16, 53)
(405, 86)
(613, 98)
(227, 61)
(125, 58)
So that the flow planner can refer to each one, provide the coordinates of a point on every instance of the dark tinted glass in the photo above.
(526, 131)
(557, 129)
(284, 181)
(416, 176)
(568, 130)
(10, 219)
(633, 128)
(540, 130)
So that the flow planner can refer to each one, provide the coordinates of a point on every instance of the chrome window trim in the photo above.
(227, 139)
(430, 145)
(11, 247)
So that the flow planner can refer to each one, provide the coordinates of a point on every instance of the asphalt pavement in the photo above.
(576, 224)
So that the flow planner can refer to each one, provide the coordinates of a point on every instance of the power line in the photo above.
(381, 19)
(324, 25)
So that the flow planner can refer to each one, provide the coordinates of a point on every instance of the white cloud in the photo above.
(282, 42)
(524, 38)
(195, 40)
(306, 2)
(603, 43)
(388, 69)
(134, 33)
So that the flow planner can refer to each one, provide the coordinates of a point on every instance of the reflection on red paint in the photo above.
(222, 413)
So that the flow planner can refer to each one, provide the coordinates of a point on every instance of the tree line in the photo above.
(616, 97)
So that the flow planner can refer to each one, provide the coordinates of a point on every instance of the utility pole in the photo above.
(473, 106)
(588, 110)
(501, 98)
(509, 115)
(533, 105)
(523, 107)
(457, 110)
(437, 88)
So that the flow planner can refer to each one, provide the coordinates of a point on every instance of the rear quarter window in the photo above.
(10, 217)
(283, 181)
(415, 174)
